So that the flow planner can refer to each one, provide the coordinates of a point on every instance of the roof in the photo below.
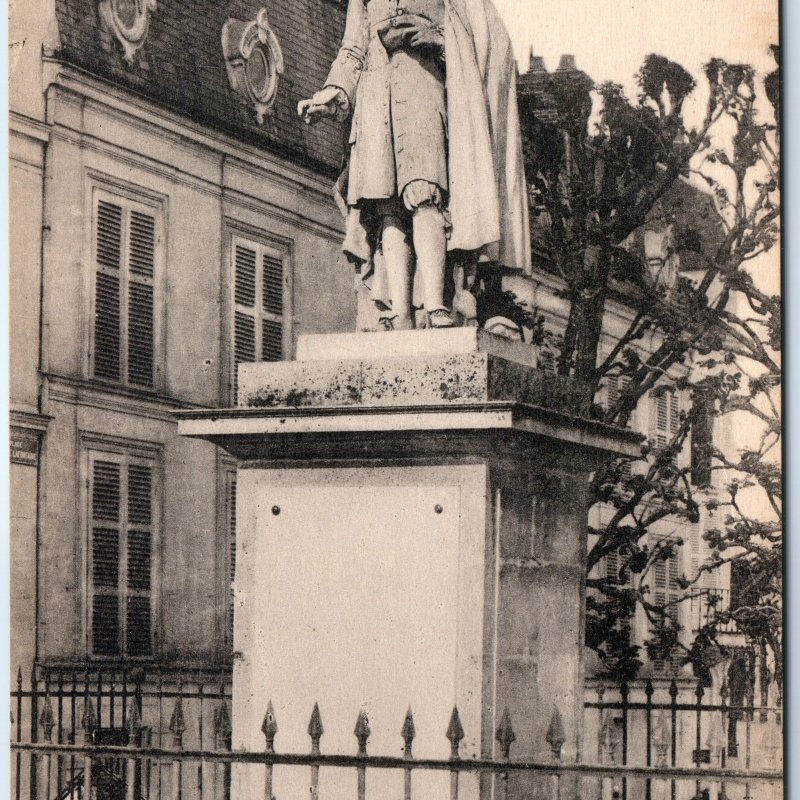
(181, 66)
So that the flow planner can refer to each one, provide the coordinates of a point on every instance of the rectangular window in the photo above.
(665, 417)
(615, 386)
(122, 529)
(125, 242)
(260, 300)
(665, 590)
(618, 574)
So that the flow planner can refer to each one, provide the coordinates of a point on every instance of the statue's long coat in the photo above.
(484, 143)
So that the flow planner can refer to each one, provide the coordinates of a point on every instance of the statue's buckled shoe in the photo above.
(440, 318)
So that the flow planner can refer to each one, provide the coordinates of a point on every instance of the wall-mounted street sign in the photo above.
(24, 447)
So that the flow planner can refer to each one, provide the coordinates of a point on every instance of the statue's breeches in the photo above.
(399, 131)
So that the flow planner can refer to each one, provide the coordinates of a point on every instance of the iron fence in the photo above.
(119, 736)
(680, 724)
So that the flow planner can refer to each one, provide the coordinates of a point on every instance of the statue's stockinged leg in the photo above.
(398, 260)
(430, 247)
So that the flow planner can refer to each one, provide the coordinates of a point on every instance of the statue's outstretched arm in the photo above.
(340, 87)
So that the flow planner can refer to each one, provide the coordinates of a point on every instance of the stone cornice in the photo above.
(63, 389)
(29, 127)
(155, 119)
(28, 419)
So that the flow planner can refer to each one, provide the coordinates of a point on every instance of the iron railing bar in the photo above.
(34, 767)
(19, 733)
(642, 706)
(396, 762)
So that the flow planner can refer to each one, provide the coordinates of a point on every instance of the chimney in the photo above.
(567, 64)
(537, 64)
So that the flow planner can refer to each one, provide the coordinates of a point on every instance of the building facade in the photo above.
(161, 234)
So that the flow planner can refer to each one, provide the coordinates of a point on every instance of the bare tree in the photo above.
(597, 180)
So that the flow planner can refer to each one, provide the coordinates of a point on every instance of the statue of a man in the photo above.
(435, 159)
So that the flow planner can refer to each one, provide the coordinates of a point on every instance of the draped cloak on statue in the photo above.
(487, 193)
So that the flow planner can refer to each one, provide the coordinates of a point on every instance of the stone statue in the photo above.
(434, 177)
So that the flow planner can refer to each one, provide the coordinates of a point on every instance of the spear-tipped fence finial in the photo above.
(607, 741)
(88, 719)
(177, 723)
(455, 733)
(408, 732)
(699, 691)
(269, 727)
(362, 732)
(47, 719)
(222, 725)
(315, 729)
(134, 721)
(505, 734)
(555, 736)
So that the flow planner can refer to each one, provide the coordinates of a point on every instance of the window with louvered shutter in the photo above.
(665, 418)
(615, 386)
(259, 298)
(124, 309)
(665, 589)
(121, 529)
(619, 574)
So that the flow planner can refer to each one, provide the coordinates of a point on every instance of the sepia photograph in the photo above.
(395, 400)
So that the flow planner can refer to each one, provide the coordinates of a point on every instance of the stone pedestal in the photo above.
(411, 531)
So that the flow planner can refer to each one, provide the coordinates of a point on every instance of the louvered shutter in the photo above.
(666, 418)
(141, 263)
(244, 332)
(106, 532)
(662, 417)
(259, 305)
(616, 568)
(612, 391)
(231, 552)
(107, 316)
(615, 387)
(273, 285)
(139, 560)
(674, 413)
(272, 304)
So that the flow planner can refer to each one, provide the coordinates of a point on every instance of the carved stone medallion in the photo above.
(254, 61)
(129, 20)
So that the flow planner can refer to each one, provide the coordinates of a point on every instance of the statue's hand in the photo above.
(325, 103)
(428, 38)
